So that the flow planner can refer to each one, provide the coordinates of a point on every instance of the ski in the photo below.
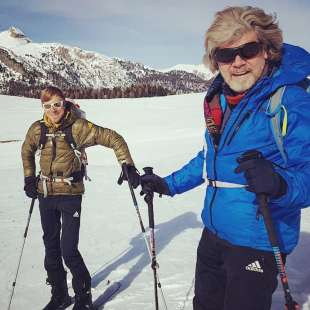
(107, 295)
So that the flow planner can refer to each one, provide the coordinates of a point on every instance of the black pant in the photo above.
(231, 277)
(60, 219)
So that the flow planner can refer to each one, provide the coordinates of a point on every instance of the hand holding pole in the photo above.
(262, 200)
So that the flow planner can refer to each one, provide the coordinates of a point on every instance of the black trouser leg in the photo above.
(71, 214)
(50, 221)
(251, 278)
(231, 277)
(210, 277)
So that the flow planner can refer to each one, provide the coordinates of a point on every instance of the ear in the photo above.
(265, 54)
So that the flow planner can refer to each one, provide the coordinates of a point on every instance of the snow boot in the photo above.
(60, 298)
(83, 301)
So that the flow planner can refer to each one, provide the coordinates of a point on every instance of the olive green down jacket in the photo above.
(58, 158)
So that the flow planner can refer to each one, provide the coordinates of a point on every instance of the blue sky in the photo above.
(157, 33)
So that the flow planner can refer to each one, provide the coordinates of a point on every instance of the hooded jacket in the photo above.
(58, 158)
(231, 213)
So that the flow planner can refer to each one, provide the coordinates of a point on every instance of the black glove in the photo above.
(133, 174)
(262, 178)
(30, 187)
(153, 183)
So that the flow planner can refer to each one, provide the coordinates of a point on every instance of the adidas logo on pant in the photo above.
(254, 267)
(76, 214)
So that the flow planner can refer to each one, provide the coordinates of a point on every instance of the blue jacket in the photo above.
(231, 213)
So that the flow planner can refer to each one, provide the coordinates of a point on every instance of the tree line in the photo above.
(17, 88)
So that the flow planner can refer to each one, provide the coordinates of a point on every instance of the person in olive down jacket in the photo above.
(59, 189)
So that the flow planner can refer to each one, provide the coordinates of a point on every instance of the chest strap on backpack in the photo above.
(46, 179)
(44, 136)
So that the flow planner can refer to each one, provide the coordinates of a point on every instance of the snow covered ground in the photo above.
(162, 132)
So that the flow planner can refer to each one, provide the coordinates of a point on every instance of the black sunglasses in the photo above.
(246, 51)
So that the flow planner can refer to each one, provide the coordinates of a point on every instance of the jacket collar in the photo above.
(67, 120)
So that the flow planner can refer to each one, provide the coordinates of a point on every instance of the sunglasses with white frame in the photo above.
(48, 106)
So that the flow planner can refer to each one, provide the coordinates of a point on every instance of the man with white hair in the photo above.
(236, 267)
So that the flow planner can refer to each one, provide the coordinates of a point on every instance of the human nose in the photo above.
(238, 61)
(53, 107)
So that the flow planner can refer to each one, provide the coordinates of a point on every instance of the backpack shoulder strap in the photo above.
(278, 120)
(79, 153)
(43, 136)
(70, 140)
(69, 137)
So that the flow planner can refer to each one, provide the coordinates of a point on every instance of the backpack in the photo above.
(67, 134)
(278, 116)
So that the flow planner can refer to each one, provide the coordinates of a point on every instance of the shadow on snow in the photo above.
(297, 265)
(164, 233)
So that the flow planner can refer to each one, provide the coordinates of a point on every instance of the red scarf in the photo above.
(234, 100)
(213, 112)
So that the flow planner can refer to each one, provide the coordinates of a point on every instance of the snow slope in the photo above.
(162, 132)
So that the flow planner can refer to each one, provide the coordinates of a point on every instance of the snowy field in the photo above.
(161, 132)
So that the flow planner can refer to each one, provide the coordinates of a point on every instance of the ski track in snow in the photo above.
(161, 132)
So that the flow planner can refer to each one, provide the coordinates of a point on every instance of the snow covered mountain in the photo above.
(24, 63)
(199, 70)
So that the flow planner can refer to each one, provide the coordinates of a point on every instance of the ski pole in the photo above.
(125, 170)
(262, 199)
(22, 249)
(149, 200)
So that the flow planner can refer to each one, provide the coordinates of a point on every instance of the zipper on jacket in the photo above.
(236, 123)
(234, 132)
(215, 189)
(228, 138)
(237, 126)
(54, 149)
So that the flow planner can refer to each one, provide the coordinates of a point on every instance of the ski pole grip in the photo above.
(124, 172)
(251, 154)
(148, 170)
(120, 180)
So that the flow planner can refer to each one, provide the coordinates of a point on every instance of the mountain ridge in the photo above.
(26, 64)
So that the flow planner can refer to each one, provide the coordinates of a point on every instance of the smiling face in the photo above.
(53, 109)
(241, 74)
